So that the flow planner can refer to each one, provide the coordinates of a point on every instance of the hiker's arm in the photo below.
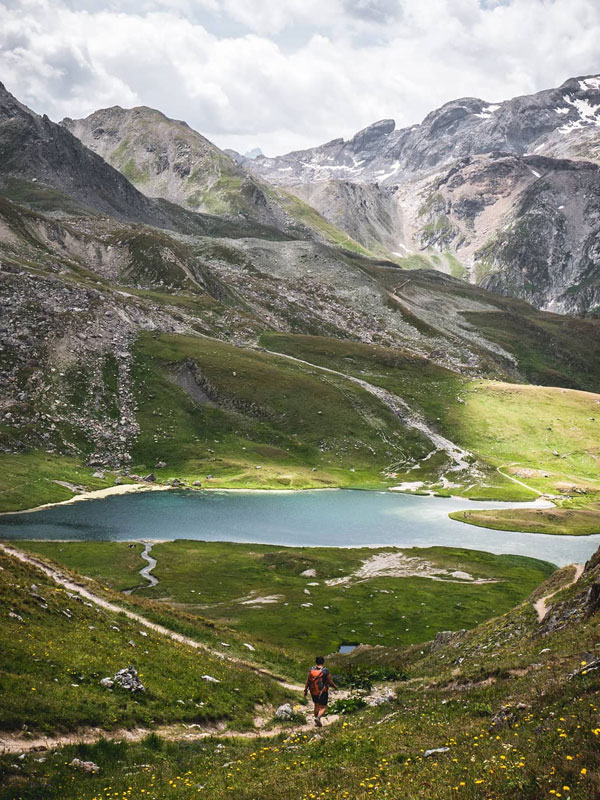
(306, 685)
(330, 681)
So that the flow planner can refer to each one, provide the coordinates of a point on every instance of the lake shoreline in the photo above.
(315, 518)
(139, 488)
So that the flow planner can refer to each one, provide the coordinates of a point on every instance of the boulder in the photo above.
(503, 719)
(128, 679)
(443, 638)
(381, 696)
(434, 751)
(284, 712)
(210, 679)
(149, 478)
(85, 766)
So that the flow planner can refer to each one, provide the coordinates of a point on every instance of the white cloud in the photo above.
(285, 74)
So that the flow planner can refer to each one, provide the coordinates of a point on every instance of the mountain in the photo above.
(39, 158)
(461, 128)
(464, 192)
(44, 166)
(165, 158)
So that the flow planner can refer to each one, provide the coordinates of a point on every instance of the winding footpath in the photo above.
(146, 571)
(541, 605)
(72, 586)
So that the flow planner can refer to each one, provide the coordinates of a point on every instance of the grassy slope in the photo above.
(270, 413)
(548, 748)
(69, 643)
(308, 429)
(546, 437)
(29, 479)
(515, 427)
(214, 578)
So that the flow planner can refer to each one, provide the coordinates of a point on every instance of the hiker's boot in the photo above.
(318, 722)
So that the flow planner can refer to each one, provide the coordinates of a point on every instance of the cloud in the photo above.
(285, 74)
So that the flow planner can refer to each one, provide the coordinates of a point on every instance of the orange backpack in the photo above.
(316, 680)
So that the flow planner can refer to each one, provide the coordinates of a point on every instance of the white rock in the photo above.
(435, 750)
(284, 712)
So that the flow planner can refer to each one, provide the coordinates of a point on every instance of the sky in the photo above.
(289, 74)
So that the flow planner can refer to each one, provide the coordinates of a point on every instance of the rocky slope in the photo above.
(33, 150)
(165, 158)
(470, 189)
(465, 127)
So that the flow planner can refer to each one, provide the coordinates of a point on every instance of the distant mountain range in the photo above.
(504, 195)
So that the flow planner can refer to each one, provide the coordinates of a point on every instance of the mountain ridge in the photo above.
(401, 189)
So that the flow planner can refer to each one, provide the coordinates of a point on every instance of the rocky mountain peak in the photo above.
(372, 134)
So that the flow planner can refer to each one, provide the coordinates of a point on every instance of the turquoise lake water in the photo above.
(309, 518)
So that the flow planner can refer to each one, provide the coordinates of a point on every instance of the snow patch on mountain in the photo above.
(488, 111)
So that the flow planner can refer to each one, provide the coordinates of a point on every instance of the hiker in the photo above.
(318, 682)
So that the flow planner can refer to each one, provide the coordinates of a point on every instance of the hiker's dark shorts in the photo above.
(320, 699)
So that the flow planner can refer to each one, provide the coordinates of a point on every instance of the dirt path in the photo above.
(70, 585)
(145, 571)
(516, 480)
(18, 743)
(541, 605)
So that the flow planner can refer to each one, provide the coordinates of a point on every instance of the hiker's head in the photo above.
(319, 660)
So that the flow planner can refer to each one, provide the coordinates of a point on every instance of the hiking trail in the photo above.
(72, 586)
(541, 605)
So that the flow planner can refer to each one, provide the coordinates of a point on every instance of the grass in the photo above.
(513, 429)
(547, 747)
(302, 428)
(550, 349)
(29, 479)
(422, 383)
(54, 657)
(115, 564)
(304, 214)
(218, 581)
(559, 521)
